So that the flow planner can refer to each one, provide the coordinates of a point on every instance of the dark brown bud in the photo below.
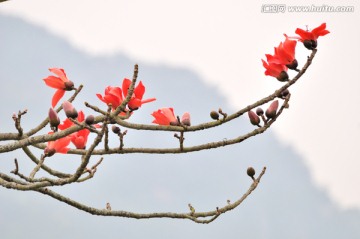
(250, 172)
(283, 76)
(259, 111)
(285, 93)
(90, 120)
(310, 44)
(48, 152)
(69, 85)
(115, 129)
(293, 65)
(254, 119)
(271, 111)
(214, 115)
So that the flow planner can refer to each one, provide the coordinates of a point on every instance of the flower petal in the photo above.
(164, 116)
(139, 90)
(57, 96)
(60, 145)
(66, 124)
(81, 116)
(305, 35)
(320, 30)
(54, 82)
(169, 113)
(148, 100)
(60, 73)
(125, 86)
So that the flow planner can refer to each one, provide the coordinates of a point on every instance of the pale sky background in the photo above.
(223, 42)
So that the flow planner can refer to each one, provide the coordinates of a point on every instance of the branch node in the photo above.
(192, 209)
(108, 206)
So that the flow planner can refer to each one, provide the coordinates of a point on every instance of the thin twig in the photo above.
(38, 166)
(17, 120)
(43, 166)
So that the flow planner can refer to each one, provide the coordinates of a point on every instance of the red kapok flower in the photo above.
(136, 99)
(79, 138)
(57, 146)
(284, 54)
(116, 95)
(164, 116)
(113, 96)
(276, 70)
(61, 83)
(309, 38)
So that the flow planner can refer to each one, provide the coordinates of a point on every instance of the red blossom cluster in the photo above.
(276, 65)
(113, 96)
(57, 146)
(80, 137)
(284, 55)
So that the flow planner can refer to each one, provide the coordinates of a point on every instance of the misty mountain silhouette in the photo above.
(285, 205)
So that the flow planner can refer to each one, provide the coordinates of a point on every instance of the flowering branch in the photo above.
(122, 102)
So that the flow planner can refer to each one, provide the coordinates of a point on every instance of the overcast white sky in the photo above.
(224, 42)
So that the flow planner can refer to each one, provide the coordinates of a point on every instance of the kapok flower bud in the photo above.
(285, 93)
(271, 111)
(69, 110)
(259, 111)
(214, 115)
(69, 85)
(254, 119)
(53, 119)
(90, 120)
(185, 120)
(310, 44)
(115, 129)
(283, 76)
(250, 172)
